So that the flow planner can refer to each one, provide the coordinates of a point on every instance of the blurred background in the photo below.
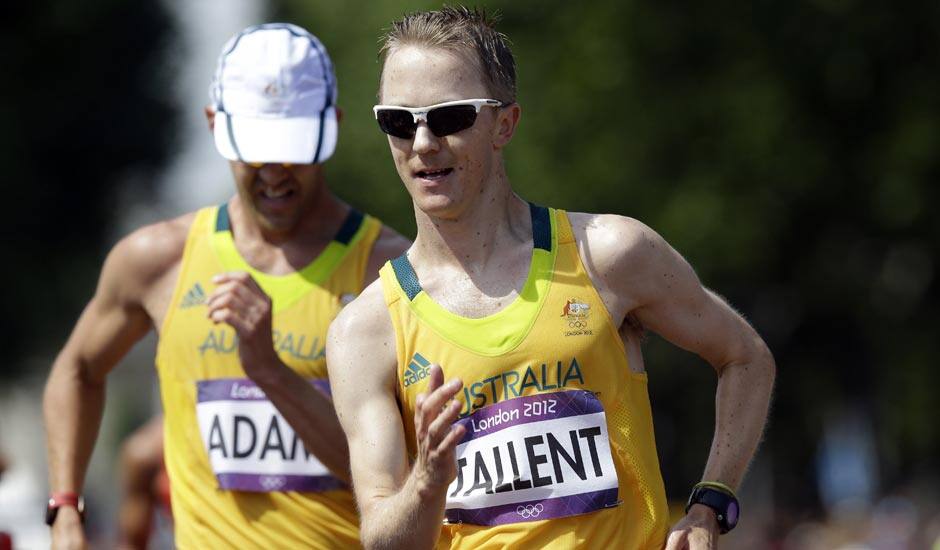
(789, 150)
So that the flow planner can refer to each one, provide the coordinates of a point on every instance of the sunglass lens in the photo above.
(445, 121)
(396, 122)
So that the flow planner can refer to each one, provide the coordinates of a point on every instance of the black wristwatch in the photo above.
(720, 498)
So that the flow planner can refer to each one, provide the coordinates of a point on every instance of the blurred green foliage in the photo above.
(788, 150)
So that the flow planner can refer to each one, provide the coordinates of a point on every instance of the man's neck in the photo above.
(488, 225)
(282, 251)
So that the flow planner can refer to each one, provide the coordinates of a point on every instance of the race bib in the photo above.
(533, 458)
(250, 445)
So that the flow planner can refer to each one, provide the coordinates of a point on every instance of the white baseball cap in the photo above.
(274, 94)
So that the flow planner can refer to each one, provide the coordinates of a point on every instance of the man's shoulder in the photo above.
(626, 258)
(614, 238)
(388, 245)
(365, 317)
(148, 253)
(361, 340)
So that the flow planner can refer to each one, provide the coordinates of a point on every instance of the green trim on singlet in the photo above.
(285, 290)
(502, 331)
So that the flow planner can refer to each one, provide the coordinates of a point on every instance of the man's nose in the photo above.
(425, 141)
(273, 172)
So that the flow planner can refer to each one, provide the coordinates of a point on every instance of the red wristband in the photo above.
(58, 500)
(64, 499)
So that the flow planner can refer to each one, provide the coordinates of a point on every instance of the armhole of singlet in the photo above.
(571, 244)
(199, 224)
(391, 291)
(390, 288)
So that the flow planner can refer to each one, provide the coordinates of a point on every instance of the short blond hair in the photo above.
(463, 31)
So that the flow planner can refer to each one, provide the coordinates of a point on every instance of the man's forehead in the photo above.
(415, 76)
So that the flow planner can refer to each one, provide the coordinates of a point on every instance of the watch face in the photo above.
(732, 514)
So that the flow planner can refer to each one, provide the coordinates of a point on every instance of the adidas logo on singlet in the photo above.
(417, 370)
(194, 296)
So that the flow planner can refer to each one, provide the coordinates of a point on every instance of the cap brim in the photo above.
(294, 140)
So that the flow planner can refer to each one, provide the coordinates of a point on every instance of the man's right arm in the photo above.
(402, 506)
(114, 319)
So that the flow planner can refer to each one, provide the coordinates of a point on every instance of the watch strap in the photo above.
(716, 485)
(60, 499)
(720, 498)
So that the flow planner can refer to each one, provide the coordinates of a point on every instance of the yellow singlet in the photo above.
(559, 450)
(239, 476)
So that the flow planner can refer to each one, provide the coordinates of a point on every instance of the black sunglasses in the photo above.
(442, 119)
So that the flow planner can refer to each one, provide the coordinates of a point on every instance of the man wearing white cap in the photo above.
(254, 452)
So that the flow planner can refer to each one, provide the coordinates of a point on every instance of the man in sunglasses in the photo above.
(254, 451)
(491, 384)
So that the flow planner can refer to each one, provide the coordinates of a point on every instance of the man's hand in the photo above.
(435, 412)
(238, 301)
(698, 530)
(67, 531)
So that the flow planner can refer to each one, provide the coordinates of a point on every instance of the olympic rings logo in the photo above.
(272, 483)
(577, 324)
(530, 510)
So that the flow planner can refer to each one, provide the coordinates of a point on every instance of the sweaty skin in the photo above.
(275, 236)
(472, 255)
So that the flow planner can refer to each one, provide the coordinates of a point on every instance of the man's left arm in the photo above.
(665, 296)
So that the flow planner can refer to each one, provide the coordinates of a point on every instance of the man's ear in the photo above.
(507, 120)
(339, 115)
(210, 117)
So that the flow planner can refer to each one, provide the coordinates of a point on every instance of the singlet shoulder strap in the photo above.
(563, 230)
(407, 278)
(541, 227)
(222, 222)
(350, 226)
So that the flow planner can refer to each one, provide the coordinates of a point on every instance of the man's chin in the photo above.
(277, 223)
(438, 206)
